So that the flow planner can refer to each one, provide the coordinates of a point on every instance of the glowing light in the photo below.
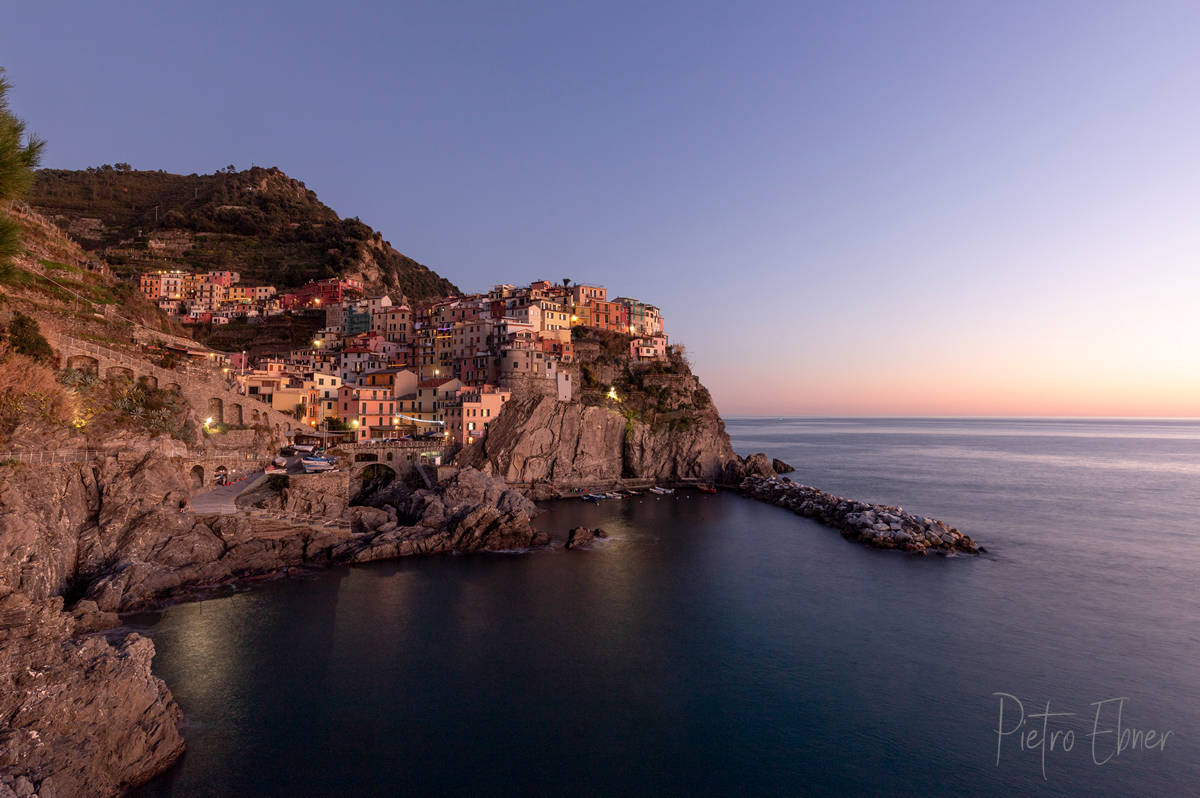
(612, 394)
(354, 424)
(208, 421)
(317, 343)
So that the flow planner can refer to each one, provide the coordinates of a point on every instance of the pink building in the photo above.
(467, 418)
(648, 348)
(370, 412)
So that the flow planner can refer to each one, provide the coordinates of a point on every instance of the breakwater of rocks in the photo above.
(872, 524)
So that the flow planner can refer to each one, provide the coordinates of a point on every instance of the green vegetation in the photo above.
(19, 156)
(25, 338)
(658, 393)
(259, 222)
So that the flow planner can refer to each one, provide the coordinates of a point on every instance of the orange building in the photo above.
(370, 412)
(468, 416)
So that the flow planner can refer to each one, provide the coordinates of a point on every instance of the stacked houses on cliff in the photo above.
(382, 369)
(218, 297)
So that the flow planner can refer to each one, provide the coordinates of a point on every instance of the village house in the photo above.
(399, 381)
(369, 412)
(468, 415)
(648, 348)
(431, 398)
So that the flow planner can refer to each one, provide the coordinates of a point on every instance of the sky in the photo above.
(842, 208)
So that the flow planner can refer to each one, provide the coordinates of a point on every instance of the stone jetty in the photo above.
(872, 524)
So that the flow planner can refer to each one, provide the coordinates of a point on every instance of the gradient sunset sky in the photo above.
(842, 208)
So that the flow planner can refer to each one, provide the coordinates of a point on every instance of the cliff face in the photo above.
(539, 439)
(647, 420)
(80, 714)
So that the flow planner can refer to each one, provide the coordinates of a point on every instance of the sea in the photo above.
(715, 645)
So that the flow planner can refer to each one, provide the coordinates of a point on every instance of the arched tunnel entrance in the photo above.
(197, 476)
(370, 479)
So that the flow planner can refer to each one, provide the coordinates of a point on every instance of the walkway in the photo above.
(220, 500)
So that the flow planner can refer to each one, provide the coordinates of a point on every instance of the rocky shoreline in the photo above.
(81, 712)
(876, 525)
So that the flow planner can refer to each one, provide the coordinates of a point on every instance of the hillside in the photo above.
(259, 222)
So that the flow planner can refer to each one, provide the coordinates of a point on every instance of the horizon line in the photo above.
(963, 417)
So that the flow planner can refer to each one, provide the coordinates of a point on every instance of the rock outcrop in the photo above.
(468, 512)
(79, 715)
(873, 524)
(580, 538)
(540, 439)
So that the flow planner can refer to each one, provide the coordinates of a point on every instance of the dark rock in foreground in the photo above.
(467, 512)
(79, 715)
(82, 715)
(872, 524)
(781, 467)
(580, 538)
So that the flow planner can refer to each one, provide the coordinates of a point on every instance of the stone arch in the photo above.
(235, 413)
(254, 416)
(119, 373)
(370, 479)
(84, 363)
(366, 457)
(197, 476)
(148, 381)
(216, 410)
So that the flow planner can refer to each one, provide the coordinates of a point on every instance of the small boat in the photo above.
(706, 488)
(312, 464)
(280, 461)
(587, 497)
(613, 495)
(662, 491)
(274, 469)
(632, 493)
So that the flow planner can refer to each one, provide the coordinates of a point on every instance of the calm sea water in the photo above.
(715, 646)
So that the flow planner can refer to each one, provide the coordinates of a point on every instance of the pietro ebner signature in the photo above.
(1049, 732)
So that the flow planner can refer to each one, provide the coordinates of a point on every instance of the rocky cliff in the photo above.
(646, 420)
(539, 439)
(81, 713)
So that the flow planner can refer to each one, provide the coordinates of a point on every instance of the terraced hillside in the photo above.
(269, 227)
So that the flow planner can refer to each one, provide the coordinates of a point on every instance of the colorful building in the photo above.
(468, 415)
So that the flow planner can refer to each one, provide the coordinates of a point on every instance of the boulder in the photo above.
(580, 538)
(781, 467)
(759, 465)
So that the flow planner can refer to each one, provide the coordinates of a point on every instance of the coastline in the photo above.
(167, 558)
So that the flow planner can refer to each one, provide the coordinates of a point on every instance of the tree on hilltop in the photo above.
(20, 154)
